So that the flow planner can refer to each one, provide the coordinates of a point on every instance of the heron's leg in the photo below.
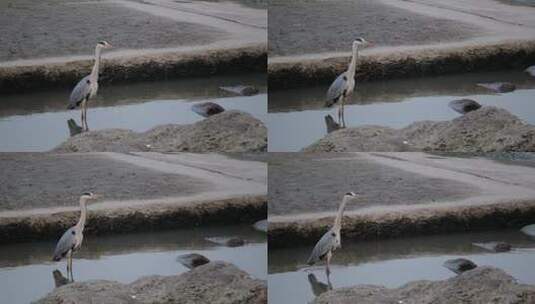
(86, 127)
(343, 114)
(327, 269)
(82, 113)
(68, 263)
(340, 115)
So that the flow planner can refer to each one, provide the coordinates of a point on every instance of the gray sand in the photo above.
(61, 27)
(300, 27)
(38, 180)
(316, 182)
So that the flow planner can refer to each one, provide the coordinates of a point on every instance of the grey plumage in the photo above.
(80, 92)
(325, 244)
(65, 243)
(336, 90)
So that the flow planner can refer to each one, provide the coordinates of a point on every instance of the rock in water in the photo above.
(207, 109)
(499, 87)
(192, 260)
(331, 124)
(529, 230)
(241, 90)
(459, 265)
(464, 106)
(531, 70)
(495, 246)
(261, 225)
(229, 242)
(235, 242)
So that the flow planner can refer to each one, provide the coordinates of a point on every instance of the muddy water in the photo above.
(296, 117)
(124, 258)
(291, 281)
(38, 121)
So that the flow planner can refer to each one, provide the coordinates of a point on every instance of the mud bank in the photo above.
(204, 284)
(291, 73)
(488, 129)
(393, 224)
(481, 285)
(230, 131)
(48, 225)
(18, 78)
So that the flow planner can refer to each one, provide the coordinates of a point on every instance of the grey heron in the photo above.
(73, 237)
(87, 87)
(343, 86)
(331, 240)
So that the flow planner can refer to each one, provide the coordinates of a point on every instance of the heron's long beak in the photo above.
(97, 196)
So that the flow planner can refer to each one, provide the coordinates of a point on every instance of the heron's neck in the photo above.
(338, 219)
(94, 71)
(353, 63)
(83, 213)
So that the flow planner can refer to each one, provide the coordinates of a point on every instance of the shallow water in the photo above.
(410, 259)
(38, 121)
(124, 258)
(296, 117)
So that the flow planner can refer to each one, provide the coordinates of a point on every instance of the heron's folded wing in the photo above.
(80, 91)
(65, 243)
(336, 89)
(325, 244)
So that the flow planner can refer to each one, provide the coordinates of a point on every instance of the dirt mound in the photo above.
(478, 286)
(216, 282)
(230, 131)
(488, 129)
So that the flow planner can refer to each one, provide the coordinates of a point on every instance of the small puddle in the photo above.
(296, 117)
(38, 121)
(124, 258)
(410, 259)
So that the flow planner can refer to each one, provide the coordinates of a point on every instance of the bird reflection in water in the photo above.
(59, 279)
(330, 124)
(74, 128)
(319, 287)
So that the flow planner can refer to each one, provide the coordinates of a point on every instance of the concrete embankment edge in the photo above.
(414, 63)
(242, 210)
(396, 224)
(144, 67)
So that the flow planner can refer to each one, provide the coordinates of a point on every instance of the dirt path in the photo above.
(306, 27)
(418, 24)
(43, 183)
(310, 186)
(63, 31)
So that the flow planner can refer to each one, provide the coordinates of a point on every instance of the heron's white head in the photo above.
(360, 41)
(103, 45)
(89, 196)
(351, 196)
